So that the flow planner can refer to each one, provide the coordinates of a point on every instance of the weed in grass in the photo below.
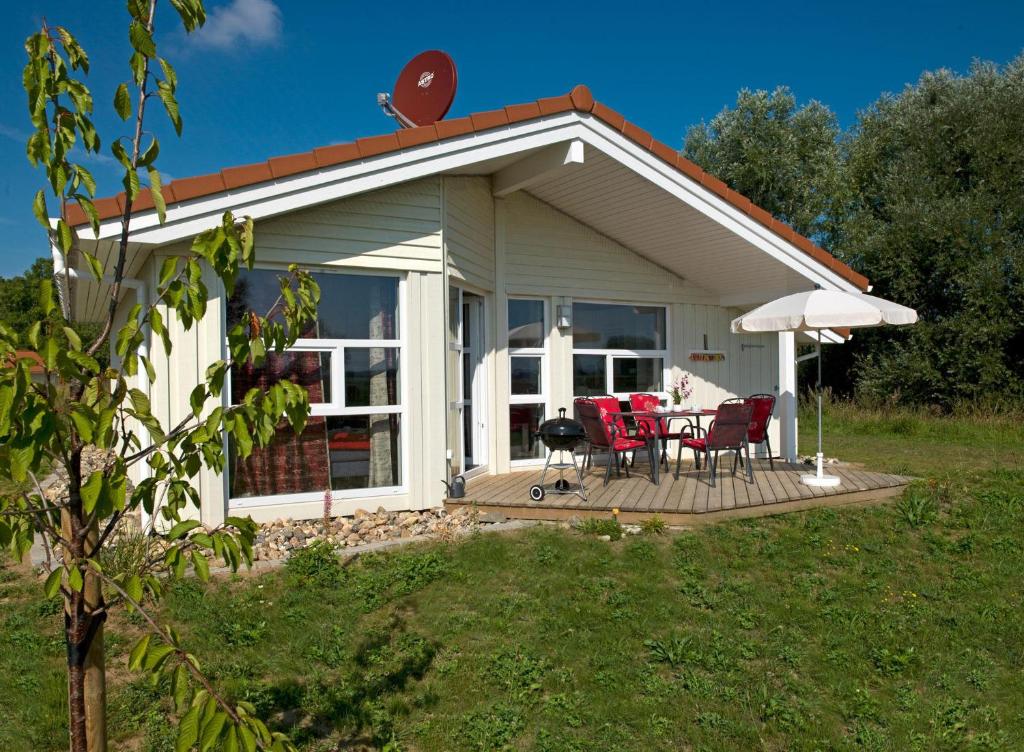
(518, 674)
(490, 728)
(674, 650)
(653, 525)
(317, 565)
(917, 506)
(892, 662)
(596, 526)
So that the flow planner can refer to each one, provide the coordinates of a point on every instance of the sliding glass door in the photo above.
(467, 383)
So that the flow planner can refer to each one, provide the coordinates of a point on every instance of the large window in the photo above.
(618, 349)
(350, 362)
(527, 376)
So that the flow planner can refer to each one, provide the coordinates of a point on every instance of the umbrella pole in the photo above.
(820, 455)
(819, 478)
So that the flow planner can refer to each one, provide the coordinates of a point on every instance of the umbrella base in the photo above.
(821, 481)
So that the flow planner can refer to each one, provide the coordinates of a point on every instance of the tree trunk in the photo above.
(84, 615)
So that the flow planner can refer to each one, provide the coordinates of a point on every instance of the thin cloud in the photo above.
(15, 134)
(253, 22)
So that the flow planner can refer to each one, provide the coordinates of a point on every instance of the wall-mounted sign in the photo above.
(707, 356)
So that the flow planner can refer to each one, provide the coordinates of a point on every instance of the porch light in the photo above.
(564, 317)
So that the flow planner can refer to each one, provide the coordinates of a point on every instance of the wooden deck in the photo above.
(688, 501)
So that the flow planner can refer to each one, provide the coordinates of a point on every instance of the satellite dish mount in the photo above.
(424, 91)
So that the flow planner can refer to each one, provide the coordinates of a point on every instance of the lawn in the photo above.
(892, 627)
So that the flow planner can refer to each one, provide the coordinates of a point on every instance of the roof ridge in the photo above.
(579, 99)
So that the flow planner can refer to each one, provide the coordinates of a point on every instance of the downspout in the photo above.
(63, 273)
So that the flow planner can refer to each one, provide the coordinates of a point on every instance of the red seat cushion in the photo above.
(624, 445)
(698, 444)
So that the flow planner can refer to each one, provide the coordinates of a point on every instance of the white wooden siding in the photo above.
(469, 230)
(548, 252)
(396, 228)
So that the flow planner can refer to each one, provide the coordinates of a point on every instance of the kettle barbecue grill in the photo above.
(560, 435)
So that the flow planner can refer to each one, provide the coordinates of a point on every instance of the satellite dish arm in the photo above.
(384, 100)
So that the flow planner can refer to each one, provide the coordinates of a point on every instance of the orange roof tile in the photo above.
(579, 100)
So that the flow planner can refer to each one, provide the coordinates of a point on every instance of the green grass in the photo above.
(914, 442)
(894, 627)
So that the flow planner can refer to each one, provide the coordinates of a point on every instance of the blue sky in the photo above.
(267, 78)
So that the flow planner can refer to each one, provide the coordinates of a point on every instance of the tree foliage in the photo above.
(782, 157)
(83, 403)
(936, 219)
(925, 196)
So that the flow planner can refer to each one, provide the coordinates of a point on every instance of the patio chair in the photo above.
(727, 433)
(611, 410)
(764, 406)
(605, 435)
(650, 402)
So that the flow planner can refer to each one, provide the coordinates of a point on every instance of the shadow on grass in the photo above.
(361, 705)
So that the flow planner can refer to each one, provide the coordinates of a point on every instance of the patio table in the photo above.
(657, 417)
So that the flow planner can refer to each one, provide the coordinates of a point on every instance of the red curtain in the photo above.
(290, 464)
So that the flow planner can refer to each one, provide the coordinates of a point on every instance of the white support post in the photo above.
(787, 395)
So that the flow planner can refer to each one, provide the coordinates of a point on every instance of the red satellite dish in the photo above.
(424, 91)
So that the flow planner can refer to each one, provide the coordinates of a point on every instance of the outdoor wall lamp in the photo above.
(564, 317)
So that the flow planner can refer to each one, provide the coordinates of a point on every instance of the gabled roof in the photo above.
(578, 100)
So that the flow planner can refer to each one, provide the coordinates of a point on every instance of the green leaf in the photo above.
(122, 102)
(91, 491)
(138, 653)
(75, 579)
(212, 730)
(64, 237)
(188, 730)
(180, 687)
(39, 209)
(166, 95)
(95, 267)
(52, 586)
(141, 39)
(46, 302)
(133, 586)
(182, 528)
(156, 190)
(202, 566)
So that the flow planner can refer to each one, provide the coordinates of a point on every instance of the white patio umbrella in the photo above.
(816, 310)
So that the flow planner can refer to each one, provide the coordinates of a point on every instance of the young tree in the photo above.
(783, 158)
(82, 404)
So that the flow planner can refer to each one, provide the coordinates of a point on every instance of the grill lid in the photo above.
(561, 432)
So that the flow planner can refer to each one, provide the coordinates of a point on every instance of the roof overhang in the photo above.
(659, 211)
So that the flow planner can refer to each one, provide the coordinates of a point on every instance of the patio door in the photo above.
(467, 383)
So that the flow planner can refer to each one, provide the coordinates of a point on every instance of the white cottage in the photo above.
(477, 274)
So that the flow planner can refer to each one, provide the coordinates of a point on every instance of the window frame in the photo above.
(612, 354)
(543, 398)
(337, 406)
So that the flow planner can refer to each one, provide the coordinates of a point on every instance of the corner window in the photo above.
(618, 349)
(350, 361)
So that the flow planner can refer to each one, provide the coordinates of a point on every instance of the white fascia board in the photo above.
(187, 219)
(651, 167)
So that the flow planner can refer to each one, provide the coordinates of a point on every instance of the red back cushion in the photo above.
(649, 403)
(609, 405)
(763, 408)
